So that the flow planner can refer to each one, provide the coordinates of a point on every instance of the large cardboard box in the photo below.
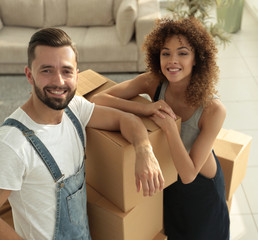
(232, 149)
(108, 222)
(110, 159)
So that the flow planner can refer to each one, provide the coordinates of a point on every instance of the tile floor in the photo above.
(238, 89)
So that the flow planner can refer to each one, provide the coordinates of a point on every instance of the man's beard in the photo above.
(51, 102)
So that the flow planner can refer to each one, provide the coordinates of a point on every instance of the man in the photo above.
(42, 146)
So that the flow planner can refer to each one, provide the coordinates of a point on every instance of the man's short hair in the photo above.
(52, 37)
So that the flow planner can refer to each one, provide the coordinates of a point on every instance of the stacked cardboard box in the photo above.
(110, 158)
(107, 221)
(232, 149)
(115, 209)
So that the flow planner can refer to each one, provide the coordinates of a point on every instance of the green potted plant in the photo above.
(229, 14)
(200, 9)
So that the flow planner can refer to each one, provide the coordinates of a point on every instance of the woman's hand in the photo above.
(147, 171)
(166, 123)
(159, 108)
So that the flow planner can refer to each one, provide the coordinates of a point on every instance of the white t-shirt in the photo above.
(33, 197)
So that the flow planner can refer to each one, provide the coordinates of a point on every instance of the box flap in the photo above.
(234, 136)
(88, 81)
(97, 199)
(226, 149)
(222, 133)
(238, 137)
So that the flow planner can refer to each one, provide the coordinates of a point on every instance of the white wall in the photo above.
(252, 6)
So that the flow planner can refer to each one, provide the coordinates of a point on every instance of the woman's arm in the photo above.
(189, 165)
(120, 95)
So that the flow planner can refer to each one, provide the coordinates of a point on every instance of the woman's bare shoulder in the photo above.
(216, 106)
(214, 112)
(146, 77)
(149, 81)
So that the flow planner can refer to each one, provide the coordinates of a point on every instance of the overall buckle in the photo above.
(28, 133)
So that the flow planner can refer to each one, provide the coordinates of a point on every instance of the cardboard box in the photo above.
(160, 236)
(232, 149)
(108, 222)
(229, 202)
(110, 159)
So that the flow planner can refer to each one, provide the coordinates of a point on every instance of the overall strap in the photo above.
(76, 123)
(38, 146)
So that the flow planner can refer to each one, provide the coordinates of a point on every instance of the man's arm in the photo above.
(6, 231)
(147, 170)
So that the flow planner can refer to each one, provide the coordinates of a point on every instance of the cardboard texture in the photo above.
(232, 149)
(108, 222)
(160, 236)
(110, 159)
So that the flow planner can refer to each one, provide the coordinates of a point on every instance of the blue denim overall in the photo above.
(71, 211)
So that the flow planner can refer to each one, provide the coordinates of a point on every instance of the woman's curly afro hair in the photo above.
(205, 73)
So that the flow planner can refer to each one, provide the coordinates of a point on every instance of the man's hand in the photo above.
(147, 171)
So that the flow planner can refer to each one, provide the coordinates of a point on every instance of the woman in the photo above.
(181, 78)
